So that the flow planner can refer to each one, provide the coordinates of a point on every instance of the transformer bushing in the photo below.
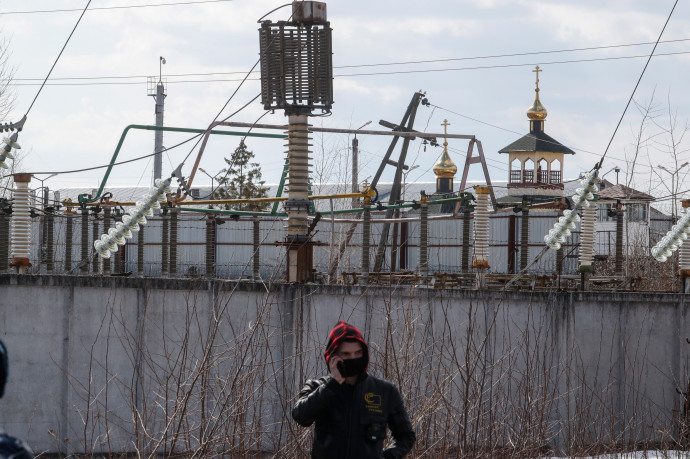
(20, 226)
(586, 258)
(297, 76)
(297, 204)
(481, 228)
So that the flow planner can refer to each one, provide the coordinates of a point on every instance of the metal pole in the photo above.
(96, 235)
(366, 239)
(140, 250)
(424, 239)
(394, 242)
(44, 225)
(466, 241)
(158, 147)
(164, 245)
(107, 220)
(256, 257)
(83, 264)
(619, 242)
(173, 242)
(50, 242)
(210, 246)
(4, 242)
(69, 236)
(355, 163)
(524, 238)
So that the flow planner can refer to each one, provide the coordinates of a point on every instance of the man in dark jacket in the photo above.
(350, 407)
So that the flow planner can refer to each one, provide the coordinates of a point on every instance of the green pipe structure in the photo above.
(83, 199)
(283, 214)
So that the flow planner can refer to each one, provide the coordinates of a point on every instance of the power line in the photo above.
(519, 133)
(484, 67)
(497, 56)
(636, 85)
(138, 158)
(196, 136)
(58, 57)
(400, 72)
(124, 7)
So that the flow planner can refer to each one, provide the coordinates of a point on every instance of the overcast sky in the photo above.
(99, 84)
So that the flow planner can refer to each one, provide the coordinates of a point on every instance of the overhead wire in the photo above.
(123, 7)
(527, 135)
(497, 56)
(139, 158)
(400, 72)
(196, 136)
(599, 163)
(58, 57)
(637, 85)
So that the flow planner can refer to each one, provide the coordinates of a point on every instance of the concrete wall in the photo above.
(119, 364)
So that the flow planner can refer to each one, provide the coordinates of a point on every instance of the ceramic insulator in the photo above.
(481, 228)
(589, 216)
(21, 221)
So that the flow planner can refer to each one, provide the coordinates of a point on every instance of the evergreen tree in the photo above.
(241, 179)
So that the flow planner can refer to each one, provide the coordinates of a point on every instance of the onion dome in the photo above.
(445, 167)
(537, 110)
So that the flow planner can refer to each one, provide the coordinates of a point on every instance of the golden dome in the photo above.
(537, 110)
(445, 167)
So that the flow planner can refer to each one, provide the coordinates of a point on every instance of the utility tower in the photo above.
(297, 76)
(156, 89)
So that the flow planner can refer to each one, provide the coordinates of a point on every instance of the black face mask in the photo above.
(352, 367)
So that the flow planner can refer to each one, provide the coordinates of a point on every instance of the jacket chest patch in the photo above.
(372, 402)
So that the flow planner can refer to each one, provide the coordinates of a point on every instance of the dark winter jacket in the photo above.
(351, 420)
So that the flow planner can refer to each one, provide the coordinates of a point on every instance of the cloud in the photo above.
(594, 24)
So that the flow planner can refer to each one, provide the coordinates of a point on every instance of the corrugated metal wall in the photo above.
(234, 250)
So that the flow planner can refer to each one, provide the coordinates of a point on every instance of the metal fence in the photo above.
(227, 247)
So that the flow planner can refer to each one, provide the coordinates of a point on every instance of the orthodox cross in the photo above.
(537, 70)
(445, 125)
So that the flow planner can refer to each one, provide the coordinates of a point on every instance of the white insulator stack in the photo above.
(567, 223)
(684, 258)
(481, 228)
(297, 205)
(20, 231)
(110, 242)
(589, 216)
(673, 239)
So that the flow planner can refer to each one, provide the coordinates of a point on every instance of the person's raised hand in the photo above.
(333, 368)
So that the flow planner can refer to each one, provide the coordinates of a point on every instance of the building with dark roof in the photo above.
(536, 160)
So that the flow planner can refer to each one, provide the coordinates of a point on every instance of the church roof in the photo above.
(624, 193)
(537, 141)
